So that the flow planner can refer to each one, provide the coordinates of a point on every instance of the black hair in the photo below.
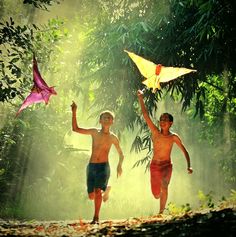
(171, 118)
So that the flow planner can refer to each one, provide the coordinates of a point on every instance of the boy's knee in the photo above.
(164, 185)
(156, 196)
(156, 193)
(91, 196)
(98, 192)
(164, 189)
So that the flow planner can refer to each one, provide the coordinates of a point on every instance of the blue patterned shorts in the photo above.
(98, 175)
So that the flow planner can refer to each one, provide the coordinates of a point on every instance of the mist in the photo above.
(54, 185)
(60, 191)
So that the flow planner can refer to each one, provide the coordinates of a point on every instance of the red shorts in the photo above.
(160, 176)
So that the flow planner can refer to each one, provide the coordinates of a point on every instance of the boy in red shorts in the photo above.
(98, 169)
(161, 166)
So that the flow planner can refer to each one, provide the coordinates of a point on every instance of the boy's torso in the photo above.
(101, 144)
(162, 146)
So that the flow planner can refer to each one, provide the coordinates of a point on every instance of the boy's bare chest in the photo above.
(161, 140)
(101, 139)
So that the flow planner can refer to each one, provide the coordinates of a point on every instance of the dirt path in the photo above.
(209, 223)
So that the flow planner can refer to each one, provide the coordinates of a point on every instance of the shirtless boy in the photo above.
(98, 169)
(161, 166)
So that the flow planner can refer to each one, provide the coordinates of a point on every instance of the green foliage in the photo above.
(16, 140)
(57, 184)
(218, 121)
(18, 42)
(33, 165)
(140, 144)
(233, 195)
(194, 34)
(110, 66)
(146, 160)
(43, 4)
(206, 200)
(15, 41)
(217, 103)
(173, 209)
(189, 35)
(11, 211)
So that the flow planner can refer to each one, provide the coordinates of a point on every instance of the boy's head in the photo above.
(166, 117)
(166, 121)
(106, 117)
(108, 112)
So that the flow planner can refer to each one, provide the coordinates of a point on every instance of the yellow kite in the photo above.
(155, 74)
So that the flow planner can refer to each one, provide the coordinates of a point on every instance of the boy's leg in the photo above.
(105, 195)
(104, 178)
(97, 205)
(166, 175)
(100, 183)
(163, 199)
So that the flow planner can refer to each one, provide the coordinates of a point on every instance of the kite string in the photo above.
(144, 89)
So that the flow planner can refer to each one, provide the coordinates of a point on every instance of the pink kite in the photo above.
(40, 91)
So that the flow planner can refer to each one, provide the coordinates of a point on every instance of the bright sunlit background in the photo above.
(54, 184)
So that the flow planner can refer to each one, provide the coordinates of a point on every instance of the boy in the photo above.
(98, 169)
(161, 166)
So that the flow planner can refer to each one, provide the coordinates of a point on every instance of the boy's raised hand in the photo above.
(73, 106)
(140, 93)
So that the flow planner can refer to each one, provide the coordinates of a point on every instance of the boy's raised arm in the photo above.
(149, 122)
(75, 126)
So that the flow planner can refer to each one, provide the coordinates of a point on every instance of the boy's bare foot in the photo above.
(106, 194)
(160, 215)
(94, 221)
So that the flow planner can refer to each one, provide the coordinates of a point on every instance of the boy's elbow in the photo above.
(74, 129)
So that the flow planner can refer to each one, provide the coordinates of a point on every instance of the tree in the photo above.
(16, 43)
(16, 142)
(198, 34)
(43, 4)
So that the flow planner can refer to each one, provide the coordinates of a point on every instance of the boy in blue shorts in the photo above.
(98, 169)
